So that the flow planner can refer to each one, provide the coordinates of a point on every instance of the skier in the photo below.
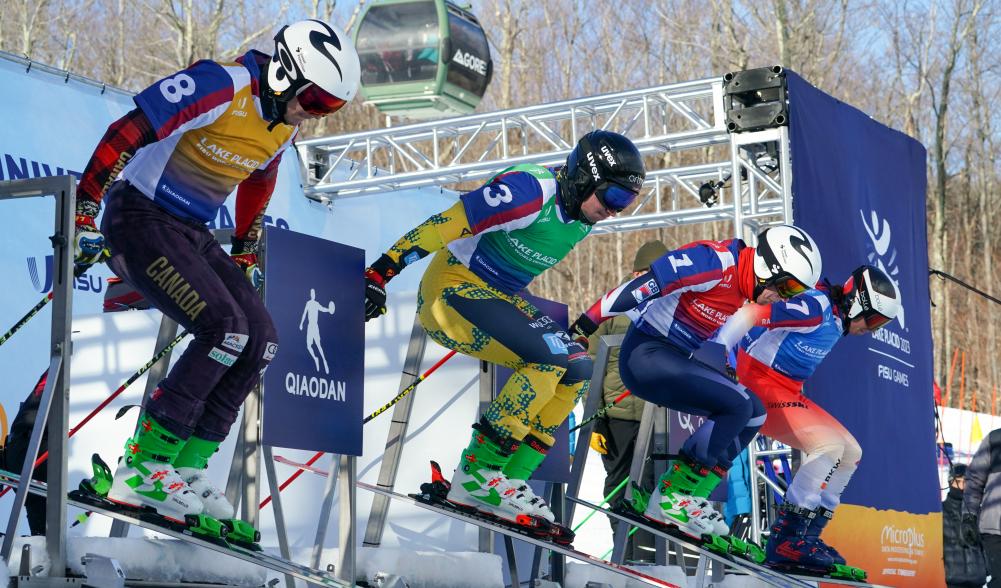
(490, 245)
(665, 357)
(780, 346)
(167, 167)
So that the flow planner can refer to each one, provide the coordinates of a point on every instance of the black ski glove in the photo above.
(376, 278)
(581, 329)
(970, 530)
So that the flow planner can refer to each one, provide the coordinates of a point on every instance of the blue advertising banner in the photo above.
(556, 467)
(859, 190)
(314, 387)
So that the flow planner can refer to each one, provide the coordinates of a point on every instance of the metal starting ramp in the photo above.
(728, 564)
(260, 558)
(509, 532)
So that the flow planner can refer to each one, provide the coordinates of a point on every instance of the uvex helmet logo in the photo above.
(882, 254)
(594, 166)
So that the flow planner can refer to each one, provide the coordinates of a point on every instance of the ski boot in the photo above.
(526, 459)
(711, 477)
(145, 478)
(191, 464)
(820, 519)
(788, 550)
(673, 503)
(479, 485)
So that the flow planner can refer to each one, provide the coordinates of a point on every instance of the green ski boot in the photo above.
(146, 480)
(673, 502)
(479, 483)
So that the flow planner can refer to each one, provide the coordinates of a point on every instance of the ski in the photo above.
(767, 575)
(154, 522)
(512, 532)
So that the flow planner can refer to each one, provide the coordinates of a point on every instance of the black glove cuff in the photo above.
(87, 208)
(386, 267)
(240, 246)
(584, 325)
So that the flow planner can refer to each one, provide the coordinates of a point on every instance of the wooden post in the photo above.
(962, 381)
(948, 383)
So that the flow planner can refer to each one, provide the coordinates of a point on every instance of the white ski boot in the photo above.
(156, 485)
(533, 503)
(216, 504)
(680, 510)
(146, 478)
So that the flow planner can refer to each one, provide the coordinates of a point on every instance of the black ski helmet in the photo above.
(605, 163)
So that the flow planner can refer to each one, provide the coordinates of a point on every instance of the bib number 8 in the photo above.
(176, 88)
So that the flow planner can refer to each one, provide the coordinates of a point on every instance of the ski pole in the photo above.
(44, 456)
(77, 272)
(381, 410)
(292, 478)
(409, 388)
(601, 411)
(603, 502)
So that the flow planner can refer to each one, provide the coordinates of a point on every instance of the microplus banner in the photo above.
(314, 387)
(859, 190)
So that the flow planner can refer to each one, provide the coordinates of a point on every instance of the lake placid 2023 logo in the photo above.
(894, 347)
(40, 274)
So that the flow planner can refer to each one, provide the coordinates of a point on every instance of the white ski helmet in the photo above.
(313, 54)
(787, 258)
(871, 294)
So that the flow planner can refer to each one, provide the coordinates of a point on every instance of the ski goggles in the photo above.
(318, 102)
(615, 197)
(873, 318)
(786, 285)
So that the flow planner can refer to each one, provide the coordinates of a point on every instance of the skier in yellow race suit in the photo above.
(490, 245)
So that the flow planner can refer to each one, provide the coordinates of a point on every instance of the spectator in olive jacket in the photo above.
(615, 434)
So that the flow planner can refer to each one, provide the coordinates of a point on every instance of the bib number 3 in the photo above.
(176, 88)
(493, 199)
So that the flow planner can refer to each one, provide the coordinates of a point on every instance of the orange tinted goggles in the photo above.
(319, 102)
(786, 286)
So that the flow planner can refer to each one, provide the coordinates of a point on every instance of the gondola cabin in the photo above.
(422, 58)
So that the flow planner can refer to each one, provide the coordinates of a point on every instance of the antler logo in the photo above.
(883, 255)
(803, 246)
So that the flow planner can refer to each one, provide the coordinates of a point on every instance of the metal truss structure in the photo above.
(681, 128)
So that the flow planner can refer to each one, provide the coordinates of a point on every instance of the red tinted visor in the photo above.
(318, 101)
(874, 320)
(786, 286)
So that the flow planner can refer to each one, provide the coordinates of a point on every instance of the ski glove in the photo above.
(581, 329)
(970, 530)
(88, 242)
(599, 444)
(244, 255)
(376, 278)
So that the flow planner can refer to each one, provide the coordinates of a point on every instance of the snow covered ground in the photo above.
(167, 560)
